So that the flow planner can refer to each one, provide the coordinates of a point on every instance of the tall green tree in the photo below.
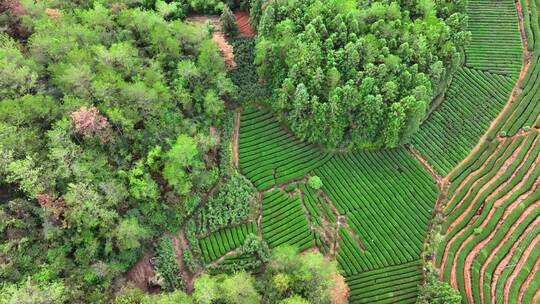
(228, 21)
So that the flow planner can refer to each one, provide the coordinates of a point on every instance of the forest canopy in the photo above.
(349, 73)
(106, 120)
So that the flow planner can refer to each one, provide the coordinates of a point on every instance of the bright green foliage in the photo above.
(239, 289)
(479, 91)
(494, 207)
(236, 289)
(374, 190)
(355, 74)
(315, 182)
(495, 45)
(137, 296)
(283, 221)
(233, 203)
(436, 292)
(34, 293)
(181, 159)
(295, 300)
(290, 274)
(395, 284)
(100, 200)
(129, 233)
(18, 75)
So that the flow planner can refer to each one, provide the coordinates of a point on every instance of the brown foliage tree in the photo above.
(88, 122)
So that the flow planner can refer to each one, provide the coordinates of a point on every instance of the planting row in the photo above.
(493, 221)
(495, 45)
(270, 155)
(393, 284)
(220, 242)
(388, 198)
(473, 100)
(284, 221)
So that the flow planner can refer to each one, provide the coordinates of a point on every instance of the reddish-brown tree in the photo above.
(88, 122)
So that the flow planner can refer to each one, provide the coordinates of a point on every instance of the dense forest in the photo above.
(116, 131)
(358, 75)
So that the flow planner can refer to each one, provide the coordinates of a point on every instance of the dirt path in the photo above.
(504, 262)
(141, 272)
(526, 285)
(244, 24)
(513, 95)
(471, 175)
(218, 37)
(236, 138)
(434, 174)
(180, 242)
(492, 254)
(523, 259)
(507, 162)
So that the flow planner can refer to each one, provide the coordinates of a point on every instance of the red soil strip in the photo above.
(244, 24)
(453, 280)
(504, 262)
(515, 91)
(536, 298)
(471, 175)
(141, 272)
(179, 243)
(523, 259)
(225, 47)
(478, 247)
(427, 166)
(527, 282)
(506, 163)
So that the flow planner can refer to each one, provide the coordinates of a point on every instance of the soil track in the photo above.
(513, 95)
(527, 282)
(244, 24)
(520, 264)
(218, 37)
(469, 260)
(141, 272)
(466, 212)
(504, 262)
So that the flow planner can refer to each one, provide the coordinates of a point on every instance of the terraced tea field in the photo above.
(375, 205)
(478, 91)
(475, 161)
(490, 250)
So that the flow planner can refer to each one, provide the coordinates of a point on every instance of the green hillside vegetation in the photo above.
(269, 151)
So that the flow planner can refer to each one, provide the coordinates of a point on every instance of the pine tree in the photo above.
(228, 22)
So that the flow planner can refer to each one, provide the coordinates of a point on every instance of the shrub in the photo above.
(230, 205)
(228, 22)
(437, 292)
(315, 182)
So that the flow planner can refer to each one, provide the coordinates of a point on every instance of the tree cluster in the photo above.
(289, 278)
(109, 127)
(350, 73)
